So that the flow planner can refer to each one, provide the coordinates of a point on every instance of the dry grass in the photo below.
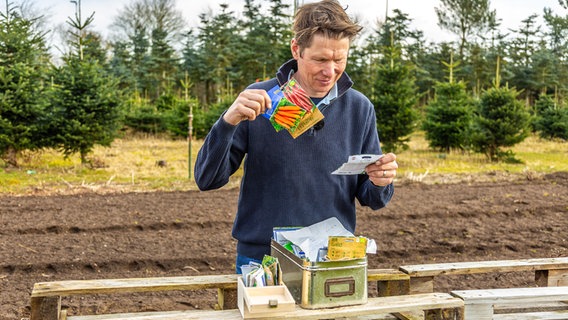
(148, 163)
(537, 157)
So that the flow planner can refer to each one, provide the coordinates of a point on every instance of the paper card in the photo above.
(356, 164)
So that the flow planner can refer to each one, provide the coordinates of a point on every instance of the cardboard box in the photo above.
(263, 302)
(327, 284)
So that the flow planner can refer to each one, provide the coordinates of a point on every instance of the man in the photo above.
(286, 181)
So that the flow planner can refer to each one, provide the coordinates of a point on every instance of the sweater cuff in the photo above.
(224, 127)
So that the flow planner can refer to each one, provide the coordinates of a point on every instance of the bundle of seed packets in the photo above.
(263, 274)
(292, 109)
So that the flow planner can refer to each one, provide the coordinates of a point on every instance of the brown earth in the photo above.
(94, 235)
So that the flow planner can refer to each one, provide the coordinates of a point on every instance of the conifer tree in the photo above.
(85, 100)
(24, 60)
(448, 117)
(395, 98)
(551, 119)
(501, 120)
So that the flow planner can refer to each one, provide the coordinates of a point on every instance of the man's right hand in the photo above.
(249, 104)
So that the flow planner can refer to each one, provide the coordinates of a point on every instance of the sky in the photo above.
(511, 12)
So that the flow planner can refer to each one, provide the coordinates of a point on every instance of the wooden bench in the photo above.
(548, 271)
(481, 304)
(432, 305)
(46, 296)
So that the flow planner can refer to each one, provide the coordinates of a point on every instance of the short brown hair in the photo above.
(327, 18)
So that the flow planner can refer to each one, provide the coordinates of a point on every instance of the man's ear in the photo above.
(295, 48)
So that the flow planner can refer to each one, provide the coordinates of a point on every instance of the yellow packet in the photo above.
(346, 248)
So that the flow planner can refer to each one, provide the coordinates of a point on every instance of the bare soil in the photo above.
(116, 235)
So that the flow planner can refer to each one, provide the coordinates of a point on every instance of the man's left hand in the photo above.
(382, 172)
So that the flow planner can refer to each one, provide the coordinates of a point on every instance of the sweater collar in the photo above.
(344, 83)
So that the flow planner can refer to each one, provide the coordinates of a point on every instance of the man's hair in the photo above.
(327, 18)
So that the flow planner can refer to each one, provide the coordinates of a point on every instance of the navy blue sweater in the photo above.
(286, 181)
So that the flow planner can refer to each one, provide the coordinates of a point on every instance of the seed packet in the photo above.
(292, 109)
(346, 248)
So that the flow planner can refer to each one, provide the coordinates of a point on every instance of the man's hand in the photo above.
(382, 172)
(248, 105)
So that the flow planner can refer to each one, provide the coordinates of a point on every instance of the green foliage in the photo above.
(395, 98)
(177, 119)
(465, 18)
(204, 119)
(228, 51)
(501, 121)
(86, 107)
(23, 65)
(145, 58)
(145, 117)
(551, 120)
(448, 117)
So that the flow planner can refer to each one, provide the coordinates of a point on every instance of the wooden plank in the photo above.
(227, 298)
(444, 314)
(436, 269)
(431, 301)
(409, 315)
(551, 278)
(541, 306)
(480, 304)
(386, 275)
(390, 282)
(393, 288)
(168, 315)
(547, 315)
(45, 308)
(421, 285)
(478, 311)
(512, 295)
(107, 286)
(226, 285)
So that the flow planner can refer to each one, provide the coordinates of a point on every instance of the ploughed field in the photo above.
(155, 234)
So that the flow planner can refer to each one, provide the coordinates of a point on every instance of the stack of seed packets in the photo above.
(292, 109)
(263, 274)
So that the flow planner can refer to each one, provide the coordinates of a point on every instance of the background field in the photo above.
(132, 164)
(129, 217)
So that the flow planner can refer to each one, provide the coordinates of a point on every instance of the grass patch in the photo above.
(137, 164)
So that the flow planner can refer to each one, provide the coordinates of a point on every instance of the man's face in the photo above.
(321, 64)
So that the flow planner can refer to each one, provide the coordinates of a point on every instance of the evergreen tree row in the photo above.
(482, 93)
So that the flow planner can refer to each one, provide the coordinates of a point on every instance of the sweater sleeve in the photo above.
(220, 156)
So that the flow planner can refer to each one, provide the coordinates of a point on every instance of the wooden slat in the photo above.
(512, 295)
(421, 285)
(424, 270)
(45, 308)
(107, 286)
(186, 315)
(551, 278)
(168, 315)
(431, 301)
(547, 315)
(386, 275)
(480, 304)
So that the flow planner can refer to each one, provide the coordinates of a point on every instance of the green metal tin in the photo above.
(316, 285)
